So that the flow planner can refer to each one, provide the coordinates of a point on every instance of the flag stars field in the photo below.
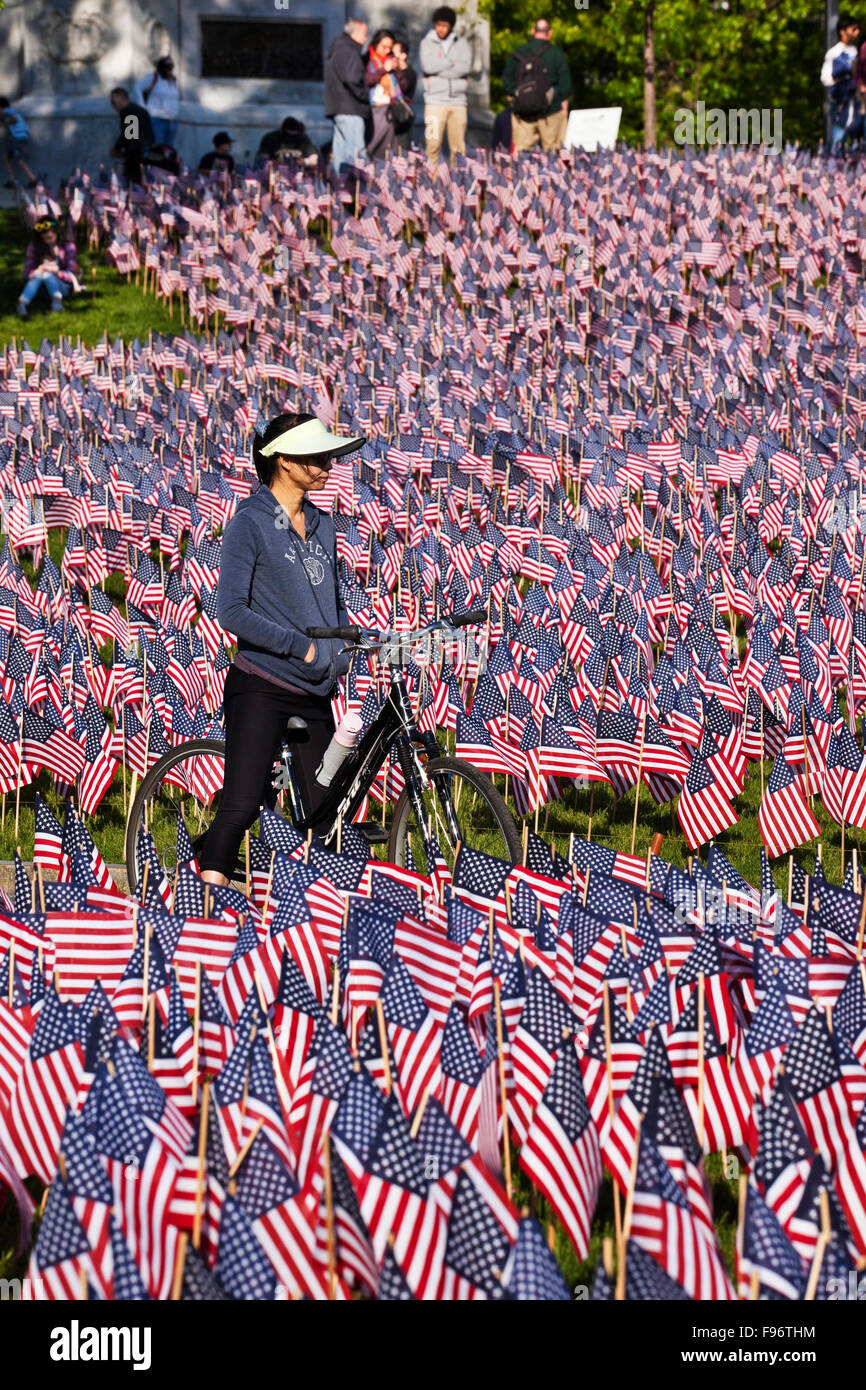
(617, 401)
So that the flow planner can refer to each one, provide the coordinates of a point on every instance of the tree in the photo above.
(649, 76)
(726, 53)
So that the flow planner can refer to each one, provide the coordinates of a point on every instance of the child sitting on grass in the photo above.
(48, 266)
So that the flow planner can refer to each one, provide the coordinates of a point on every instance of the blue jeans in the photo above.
(52, 286)
(842, 135)
(164, 132)
(348, 140)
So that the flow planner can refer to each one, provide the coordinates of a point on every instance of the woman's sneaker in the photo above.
(22, 308)
(56, 303)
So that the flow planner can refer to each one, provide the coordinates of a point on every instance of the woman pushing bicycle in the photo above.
(278, 576)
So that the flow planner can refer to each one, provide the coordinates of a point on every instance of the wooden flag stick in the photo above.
(608, 1063)
(196, 1023)
(202, 1164)
(861, 927)
(419, 1114)
(741, 1213)
(506, 1141)
(268, 889)
(823, 1242)
(629, 1208)
(179, 1262)
(242, 1153)
(701, 994)
(335, 996)
(145, 971)
(18, 778)
(329, 1220)
(383, 1043)
(637, 787)
(151, 1031)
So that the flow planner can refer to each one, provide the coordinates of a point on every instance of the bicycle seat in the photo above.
(296, 725)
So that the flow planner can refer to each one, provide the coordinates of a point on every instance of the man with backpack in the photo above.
(538, 83)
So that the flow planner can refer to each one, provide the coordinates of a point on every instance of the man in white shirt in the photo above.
(837, 75)
(158, 92)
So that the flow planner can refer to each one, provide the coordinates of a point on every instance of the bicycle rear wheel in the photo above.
(461, 806)
(187, 782)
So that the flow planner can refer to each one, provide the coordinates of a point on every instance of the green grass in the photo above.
(12, 1264)
(109, 303)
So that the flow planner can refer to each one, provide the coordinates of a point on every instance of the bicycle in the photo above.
(443, 797)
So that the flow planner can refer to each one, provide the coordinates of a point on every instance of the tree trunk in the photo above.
(649, 77)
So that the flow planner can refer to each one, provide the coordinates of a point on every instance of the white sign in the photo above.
(594, 129)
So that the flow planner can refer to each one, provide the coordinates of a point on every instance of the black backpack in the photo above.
(533, 93)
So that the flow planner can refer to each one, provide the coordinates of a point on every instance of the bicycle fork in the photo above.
(285, 781)
(417, 782)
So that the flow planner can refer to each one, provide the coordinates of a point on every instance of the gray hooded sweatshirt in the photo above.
(272, 586)
(445, 63)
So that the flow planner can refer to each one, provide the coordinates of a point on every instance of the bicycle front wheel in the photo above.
(461, 806)
(185, 785)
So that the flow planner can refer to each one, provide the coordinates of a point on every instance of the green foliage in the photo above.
(726, 54)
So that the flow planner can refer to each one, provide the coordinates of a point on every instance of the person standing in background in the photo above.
(500, 138)
(17, 142)
(135, 136)
(538, 84)
(407, 81)
(837, 75)
(382, 86)
(347, 103)
(860, 84)
(446, 62)
(159, 94)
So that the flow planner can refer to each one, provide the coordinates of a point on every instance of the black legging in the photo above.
(256, 711)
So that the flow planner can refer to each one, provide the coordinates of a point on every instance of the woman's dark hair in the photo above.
(165, 66)
(43, 224)
(379, 35)
(266, 467)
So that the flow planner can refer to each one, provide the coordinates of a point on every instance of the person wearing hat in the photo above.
(278, 576)
(158, 92)
(291, 141)
(220, 157)
(48, 266)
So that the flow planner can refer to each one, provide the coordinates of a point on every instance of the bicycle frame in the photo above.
(394, 726)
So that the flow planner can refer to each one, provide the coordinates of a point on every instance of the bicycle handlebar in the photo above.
(345, 634)
(357, 634)
(475, 615)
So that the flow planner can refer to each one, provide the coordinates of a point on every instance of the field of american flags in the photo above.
(644, 461)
